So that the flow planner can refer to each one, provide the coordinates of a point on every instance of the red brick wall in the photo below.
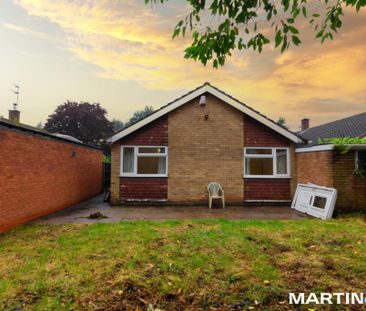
(267, 189)
(258, 135)
(143, 188)
(316, 168)
(39, 176)
(351, 187)
(153, 134)
(156, 133)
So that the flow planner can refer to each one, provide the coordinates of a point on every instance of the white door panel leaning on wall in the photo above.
(315, 200)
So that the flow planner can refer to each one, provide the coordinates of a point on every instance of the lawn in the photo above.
(179, 265)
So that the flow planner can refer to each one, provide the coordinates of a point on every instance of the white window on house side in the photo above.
(264, 162)
(144, 161)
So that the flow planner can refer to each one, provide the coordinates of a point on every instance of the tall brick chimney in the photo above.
(14, 114)
(305, 124)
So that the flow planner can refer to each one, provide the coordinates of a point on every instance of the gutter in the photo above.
(328, 147)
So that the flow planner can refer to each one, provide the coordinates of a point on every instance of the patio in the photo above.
(80, 213)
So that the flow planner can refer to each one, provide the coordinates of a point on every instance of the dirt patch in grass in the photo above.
(131, 296)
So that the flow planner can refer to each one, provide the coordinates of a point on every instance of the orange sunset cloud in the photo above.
(130, 41)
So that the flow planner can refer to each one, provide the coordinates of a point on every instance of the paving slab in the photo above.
(80, 213)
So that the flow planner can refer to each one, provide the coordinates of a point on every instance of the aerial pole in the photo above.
(16, 92)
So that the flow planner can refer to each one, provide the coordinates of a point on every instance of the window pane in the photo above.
(320, 202)
(281, 161)
(128, 159)
(151, 165)
(258, 151)
(260, 166)
(151, 149)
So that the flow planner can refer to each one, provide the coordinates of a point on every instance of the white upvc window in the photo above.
(144, 161)
(266, 162)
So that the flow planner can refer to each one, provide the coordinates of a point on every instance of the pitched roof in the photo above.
(201, 90)
(354, 126)
(41, 132)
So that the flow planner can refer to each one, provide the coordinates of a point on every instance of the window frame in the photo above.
(137, 154)
(268, 156)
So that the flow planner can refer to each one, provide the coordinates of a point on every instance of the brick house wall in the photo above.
(40, 175)
(256, 189)
(202, 151)
(258, 135)
(139, 188)
(115, 173)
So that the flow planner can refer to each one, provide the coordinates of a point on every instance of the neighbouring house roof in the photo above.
(36, 131)
(201, 90)
(354, 126)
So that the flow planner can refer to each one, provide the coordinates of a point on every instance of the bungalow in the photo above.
(206, 135)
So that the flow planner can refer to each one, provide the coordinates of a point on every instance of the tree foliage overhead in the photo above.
(83, 120)
(282, 122)
(139, 114)
(117, 125)
(244, 24)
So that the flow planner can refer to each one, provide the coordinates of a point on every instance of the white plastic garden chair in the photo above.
(215, 191)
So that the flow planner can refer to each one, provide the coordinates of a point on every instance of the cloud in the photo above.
(23, 30)
(129, 41)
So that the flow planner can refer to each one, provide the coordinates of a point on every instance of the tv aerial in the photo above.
(16, 92)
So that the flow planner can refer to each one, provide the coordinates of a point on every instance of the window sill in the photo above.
(267, 177)
(143, 175)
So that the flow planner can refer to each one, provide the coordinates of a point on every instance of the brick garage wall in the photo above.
(257, 189)
(40, 176)
(316, 168)
(351, 187)
(202, 151)
(139, 188)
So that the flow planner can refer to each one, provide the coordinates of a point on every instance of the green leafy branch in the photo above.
(239, 20)
(343, 144)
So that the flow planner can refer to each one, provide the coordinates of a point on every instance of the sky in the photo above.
(121, 55)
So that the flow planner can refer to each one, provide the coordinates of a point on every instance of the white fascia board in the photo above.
(329, 147)
(315, 148)
(209, 89)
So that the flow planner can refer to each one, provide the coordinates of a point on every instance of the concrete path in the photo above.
(80, 213)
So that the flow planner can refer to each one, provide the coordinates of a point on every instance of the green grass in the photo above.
(179, 265)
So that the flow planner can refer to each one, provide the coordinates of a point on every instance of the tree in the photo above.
(39, 125)
(117, 125)
(139, 114)
(238, 20)
(84, 121)
(282, 122)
